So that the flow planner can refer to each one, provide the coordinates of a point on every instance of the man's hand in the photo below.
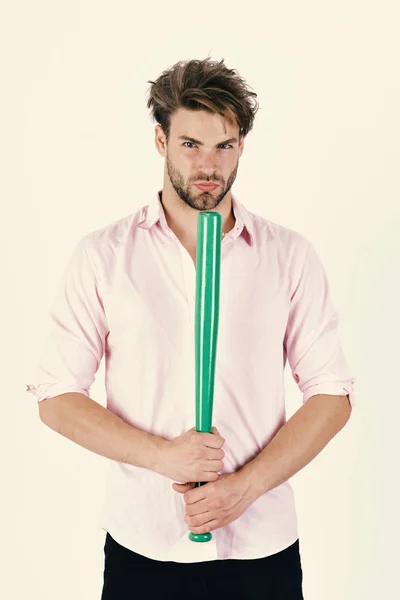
(215, 504)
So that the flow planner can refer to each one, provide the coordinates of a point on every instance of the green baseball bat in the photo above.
(208, 267)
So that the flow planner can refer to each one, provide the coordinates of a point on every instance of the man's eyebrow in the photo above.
(190, 139)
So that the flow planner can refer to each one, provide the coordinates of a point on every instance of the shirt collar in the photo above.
(243, 225)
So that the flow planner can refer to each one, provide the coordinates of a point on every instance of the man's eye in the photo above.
(193, 144)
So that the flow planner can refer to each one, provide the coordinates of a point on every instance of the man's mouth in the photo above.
(206, 187)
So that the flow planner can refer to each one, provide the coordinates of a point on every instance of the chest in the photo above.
(191, 250)
(192, 253)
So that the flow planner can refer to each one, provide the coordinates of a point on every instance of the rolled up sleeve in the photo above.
(311, 342)
(76, 341)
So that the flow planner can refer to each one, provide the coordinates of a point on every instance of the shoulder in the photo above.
(288, 242)
(104, 243)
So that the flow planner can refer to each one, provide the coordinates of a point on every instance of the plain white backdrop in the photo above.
(77, 152)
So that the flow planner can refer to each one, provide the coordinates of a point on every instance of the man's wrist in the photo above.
(158, 448)
(251, 481)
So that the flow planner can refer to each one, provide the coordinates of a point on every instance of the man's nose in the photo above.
(208, 167)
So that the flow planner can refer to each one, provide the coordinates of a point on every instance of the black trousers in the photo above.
(128, 576)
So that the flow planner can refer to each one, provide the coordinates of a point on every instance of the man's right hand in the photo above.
(193, 456)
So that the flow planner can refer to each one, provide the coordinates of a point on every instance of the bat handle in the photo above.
(200, 537)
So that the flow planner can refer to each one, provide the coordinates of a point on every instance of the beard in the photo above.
(202, 200)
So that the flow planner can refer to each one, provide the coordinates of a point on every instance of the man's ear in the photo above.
(160, 140)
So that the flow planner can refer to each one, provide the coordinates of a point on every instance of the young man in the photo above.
(128, 294)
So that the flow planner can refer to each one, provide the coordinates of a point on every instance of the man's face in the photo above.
(213, 157)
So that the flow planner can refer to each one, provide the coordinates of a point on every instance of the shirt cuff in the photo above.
(333, 389)
(48, 390)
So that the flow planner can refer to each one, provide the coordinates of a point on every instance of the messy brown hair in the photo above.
(202, 85)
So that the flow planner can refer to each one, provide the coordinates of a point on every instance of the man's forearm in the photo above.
(298, 441)
(96, 428)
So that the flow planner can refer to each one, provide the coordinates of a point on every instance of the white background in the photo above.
(77, 152)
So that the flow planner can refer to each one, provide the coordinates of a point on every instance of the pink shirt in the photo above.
(128, 293)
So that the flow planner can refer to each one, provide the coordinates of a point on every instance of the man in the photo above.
(128, 294)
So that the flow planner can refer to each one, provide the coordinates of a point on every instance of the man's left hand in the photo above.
(216, 503)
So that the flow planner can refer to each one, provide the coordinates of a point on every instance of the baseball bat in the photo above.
(208, 267)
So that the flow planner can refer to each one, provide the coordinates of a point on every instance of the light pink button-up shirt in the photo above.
(128, 293)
